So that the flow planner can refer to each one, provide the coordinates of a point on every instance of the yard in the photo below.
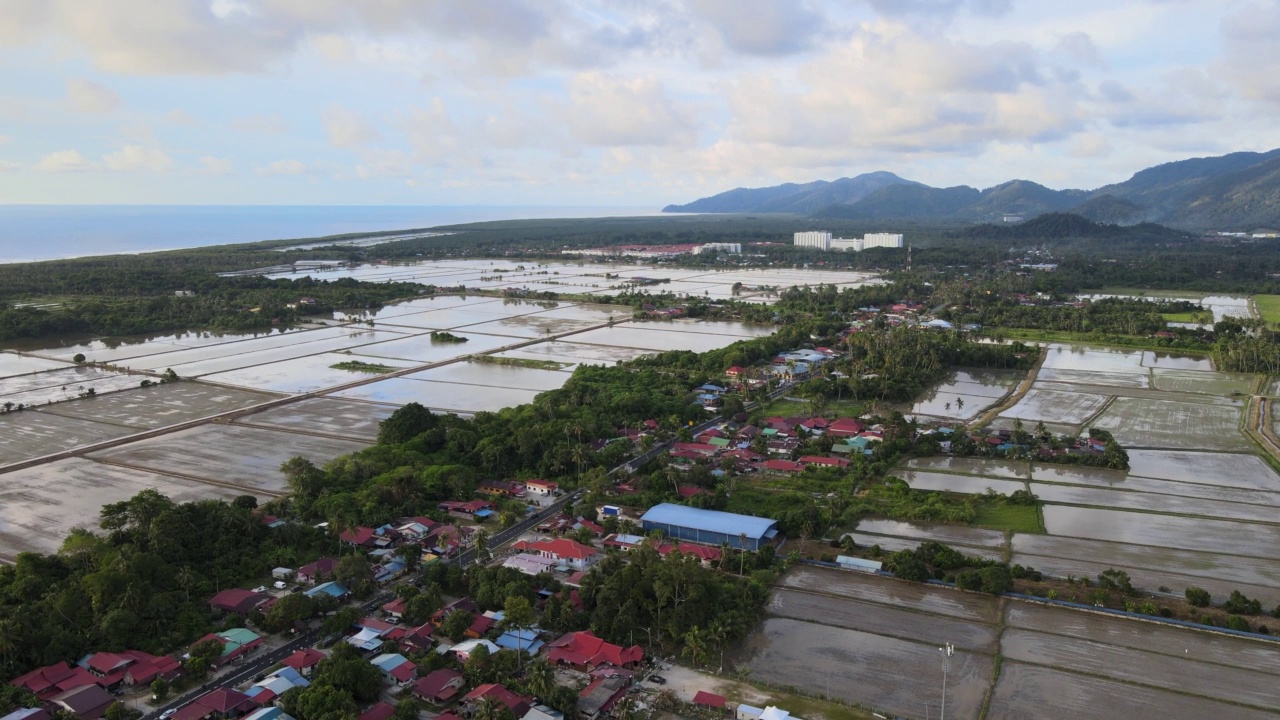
(1018, 518)
(1268, 307)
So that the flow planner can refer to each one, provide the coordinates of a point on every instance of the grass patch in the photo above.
(1018, 518)
(364, 367)
(1146, 292)
(520, 362)
(1136, 342)
(1268, 307)
(793, 408)
(1203, 317)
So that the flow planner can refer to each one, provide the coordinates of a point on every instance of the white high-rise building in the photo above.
(847, 244)
(882, 240)
(814, 239)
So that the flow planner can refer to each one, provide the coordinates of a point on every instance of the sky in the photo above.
(612, 102)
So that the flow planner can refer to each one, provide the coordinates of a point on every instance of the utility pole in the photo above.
(947, 651)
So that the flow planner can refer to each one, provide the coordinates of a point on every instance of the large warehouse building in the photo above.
(710, 527)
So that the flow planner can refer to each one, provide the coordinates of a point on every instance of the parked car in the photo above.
(168, 713)
(657, 680)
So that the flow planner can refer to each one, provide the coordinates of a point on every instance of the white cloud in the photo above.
(282, 167)
(181, 118)
(63, 161)
(762, 27)
(9, 166)
(87, 96)
(136, 158)
(385, 163)
(261, 124)
(606, 111)
(346, 128)
(211, 165)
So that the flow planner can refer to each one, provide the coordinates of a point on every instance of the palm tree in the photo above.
(695, 646)
(186, 580)
(717, 633)
(490, 709)
(541, 678)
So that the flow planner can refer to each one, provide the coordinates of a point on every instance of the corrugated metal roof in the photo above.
(709, 520)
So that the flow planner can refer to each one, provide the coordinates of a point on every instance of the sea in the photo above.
(49, 232)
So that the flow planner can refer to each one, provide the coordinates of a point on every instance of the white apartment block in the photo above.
(727, 248)
(882, 240)
(814, 239)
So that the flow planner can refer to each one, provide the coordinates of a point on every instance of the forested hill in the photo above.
(1067, 226)
(1239, 191)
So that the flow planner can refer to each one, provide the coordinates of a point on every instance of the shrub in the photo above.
(1238, 604)
(1235, 622)
(1198, 597)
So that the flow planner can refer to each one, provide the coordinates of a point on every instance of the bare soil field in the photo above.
(962, 534)
(882, 620)
(1210, 383)
(1149, 579)
(1186, 674)
(971, 466)
(161, 405)
(242, 456)
(1235, 568)
(1130, 499)
(968, 484)
(913, 596)
(1152, 637)
(40, 505)
(1029, 691)
(1221, 536)
(890, 543)
(1156, 424)
(887, 673)
(1219, 469)
(1070, 408)
(34, 433)
(357, 420)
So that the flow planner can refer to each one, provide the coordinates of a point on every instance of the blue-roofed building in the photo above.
(268, 713)
(525, 639)
(331, 588)
(710, 527)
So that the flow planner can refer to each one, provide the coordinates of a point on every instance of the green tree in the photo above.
(540, 678)
(405, 424)
(456, 624)
(319, 702)
(479, 666)
(120, 711)
(1198, 597)
(491, 709)
(347, 671)
(160, 688)
(517, 614)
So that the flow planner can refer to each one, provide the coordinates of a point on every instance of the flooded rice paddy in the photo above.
(964, 393)
(874, 641)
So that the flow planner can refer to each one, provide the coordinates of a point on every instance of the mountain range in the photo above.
(1239, 191)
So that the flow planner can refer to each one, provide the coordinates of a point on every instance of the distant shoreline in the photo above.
(66, 232)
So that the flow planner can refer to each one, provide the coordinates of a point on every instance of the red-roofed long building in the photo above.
(570, 552)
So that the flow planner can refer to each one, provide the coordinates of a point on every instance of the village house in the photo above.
(541, 487)
(501, 488)
(439, 686)
(238, 602)
(598, 698)
(517, 704)
(563, 550)
(476, 510)
(396, 669)
(303, 660)
(585, 651)
(315, 572)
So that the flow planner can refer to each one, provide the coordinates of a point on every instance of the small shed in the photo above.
(708, 700)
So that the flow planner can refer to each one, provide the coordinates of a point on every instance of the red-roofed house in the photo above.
(379, 711)
(782, 466)
(468, 509)
(735, 372)
(87, 702)
(845, 427)
(220, 703)
(439, 686)
(595, 528)
(701, 448)
(598, 698)
(303, 660)
(235, 600)
(50, 680)
(501, 488)
(395, 608)
(708, 700)
(480, 625)
(541, 487)
(584, 650)
(419, 639)
(518, 705)
(367, 537)
(827, 461)
(311, 573)
(149, 667)
(691, 491)
(704, 553)
(570, 552)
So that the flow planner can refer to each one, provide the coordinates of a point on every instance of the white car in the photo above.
(168, 713)
(260, 589)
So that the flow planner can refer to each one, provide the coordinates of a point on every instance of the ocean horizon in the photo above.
(31, 233)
